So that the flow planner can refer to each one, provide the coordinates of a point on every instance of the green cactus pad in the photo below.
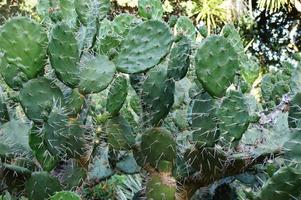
(99, 168)
(18, 170)
(38, 96)
(89, 15)
(109, 45)
(123, 23)
(128, 165)
(46, 160)
(41, 185)
(161, 188)
(157, 95)
(233, 36)
(65, 195)
(4, 115)
(63, 10)
(117, 94)
(284, 184)
(55, 131)
(292, 150)
(82, 8)
(77, 143)
(179, 60)
(204, 123)
(216, 64)
(64, 54)
(157, 144)
(14, 136)
(150, 9)
(184, 26)
(120, 134)
(23, 43)
(294, 115)
(233, 115)
(209, 161)
(96, 74)
(250, 69)
(74, 102)
(144, 47)
(73, 174)
(273, 86)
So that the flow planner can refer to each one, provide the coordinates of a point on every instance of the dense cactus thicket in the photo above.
(137, 108)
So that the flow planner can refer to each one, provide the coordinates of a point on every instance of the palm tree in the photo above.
(275, 5)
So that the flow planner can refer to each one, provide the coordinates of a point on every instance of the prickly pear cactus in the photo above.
(98, 68)
(158, 148)
(179, 60)
(150, 9)
(42, 185)
(204, 121)
(117, 95)
(144, 47)
(233, 116)
(100, 104)
(216, 64)
(157, 95)
(23, 46)
(64, 54)
(38, 96)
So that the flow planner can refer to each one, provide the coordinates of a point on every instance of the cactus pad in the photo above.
(157, 95)
(184, 26)
(158, 145)
(204, 123)
(117, 94)
(120, 134)
(37, 98)
(41, 185)
(144, 47)
(64, 54)
(54, 132)
(150, 9)
(36, 143)
(295, 112)
(160, 188)
(216, 64)
(284, 184)
(233, 115)
(179, 60)
(23, 43)
(96, 74)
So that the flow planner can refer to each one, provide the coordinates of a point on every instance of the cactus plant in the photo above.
(216, 69)
(24, 45)
(144, 47)
(118, 95)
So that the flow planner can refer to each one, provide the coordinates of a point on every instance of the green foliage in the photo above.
(117, 94)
